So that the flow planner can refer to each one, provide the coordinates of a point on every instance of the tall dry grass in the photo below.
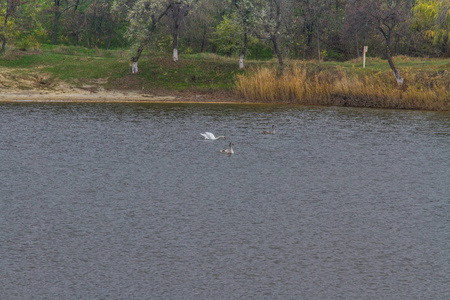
(267, 85)
(341, 88)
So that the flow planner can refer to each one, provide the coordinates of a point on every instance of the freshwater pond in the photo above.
(128, 201)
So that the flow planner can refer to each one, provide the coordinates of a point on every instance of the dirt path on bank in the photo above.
(80, 96)
(36, 88)
(83, 95)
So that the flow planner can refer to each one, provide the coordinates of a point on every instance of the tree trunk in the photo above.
(318, 41)
(88, 37)
(241, 61)
(175, 54)
(4, 38)
(357, 46)
(55, 26)
(243, 50)
(3, 46)
(278, 52)
(365, 36)
(135, 58)
(134, 67)
(110, 35)
(387, 39)
(97, 24)
(175, 43)
(295, 46)
(78, 36)
(304, 51)
(397, 76)
(309, 37)
(203, 40)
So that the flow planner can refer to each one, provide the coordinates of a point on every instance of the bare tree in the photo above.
(143, 17)
(58, 11)
(244, 9)
(386, 17)
(307, 14)
(200, 25)
(11, 8)
(176, 13)
(356, 24)
(269, 17)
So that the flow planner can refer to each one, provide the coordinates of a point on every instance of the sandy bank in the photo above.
(80, 95)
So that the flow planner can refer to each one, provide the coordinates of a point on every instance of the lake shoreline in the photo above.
(58, 76)
(83, 96)
(80, 95)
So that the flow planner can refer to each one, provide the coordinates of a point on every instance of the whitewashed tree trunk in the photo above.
(244, 47)
(144, 42)
(175, 43)
(398, 78)
(241, 61)
(134, 67)
(175, 54)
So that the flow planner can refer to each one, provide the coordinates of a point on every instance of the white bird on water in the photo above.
(228, 151)
(210, 136)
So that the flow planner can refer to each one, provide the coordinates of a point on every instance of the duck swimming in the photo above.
(270, 132)
(229, 150)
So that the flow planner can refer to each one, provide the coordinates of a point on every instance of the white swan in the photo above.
(270, 132)
(228, 151)
(210, 136)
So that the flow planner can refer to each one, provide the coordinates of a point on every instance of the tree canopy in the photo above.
(302, 29)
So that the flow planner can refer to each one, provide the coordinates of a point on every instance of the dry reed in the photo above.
(341, 88)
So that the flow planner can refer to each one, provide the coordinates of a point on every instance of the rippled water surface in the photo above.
(117, 201)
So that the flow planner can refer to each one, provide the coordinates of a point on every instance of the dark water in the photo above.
(116, 201)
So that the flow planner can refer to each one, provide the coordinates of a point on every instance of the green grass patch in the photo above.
(78, 66)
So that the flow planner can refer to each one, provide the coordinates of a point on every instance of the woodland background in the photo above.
(303, 29)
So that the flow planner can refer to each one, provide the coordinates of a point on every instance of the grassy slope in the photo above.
(111, 70)
(48, 68)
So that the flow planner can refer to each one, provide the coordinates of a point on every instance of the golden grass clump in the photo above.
(337, 87)
(267, 85)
